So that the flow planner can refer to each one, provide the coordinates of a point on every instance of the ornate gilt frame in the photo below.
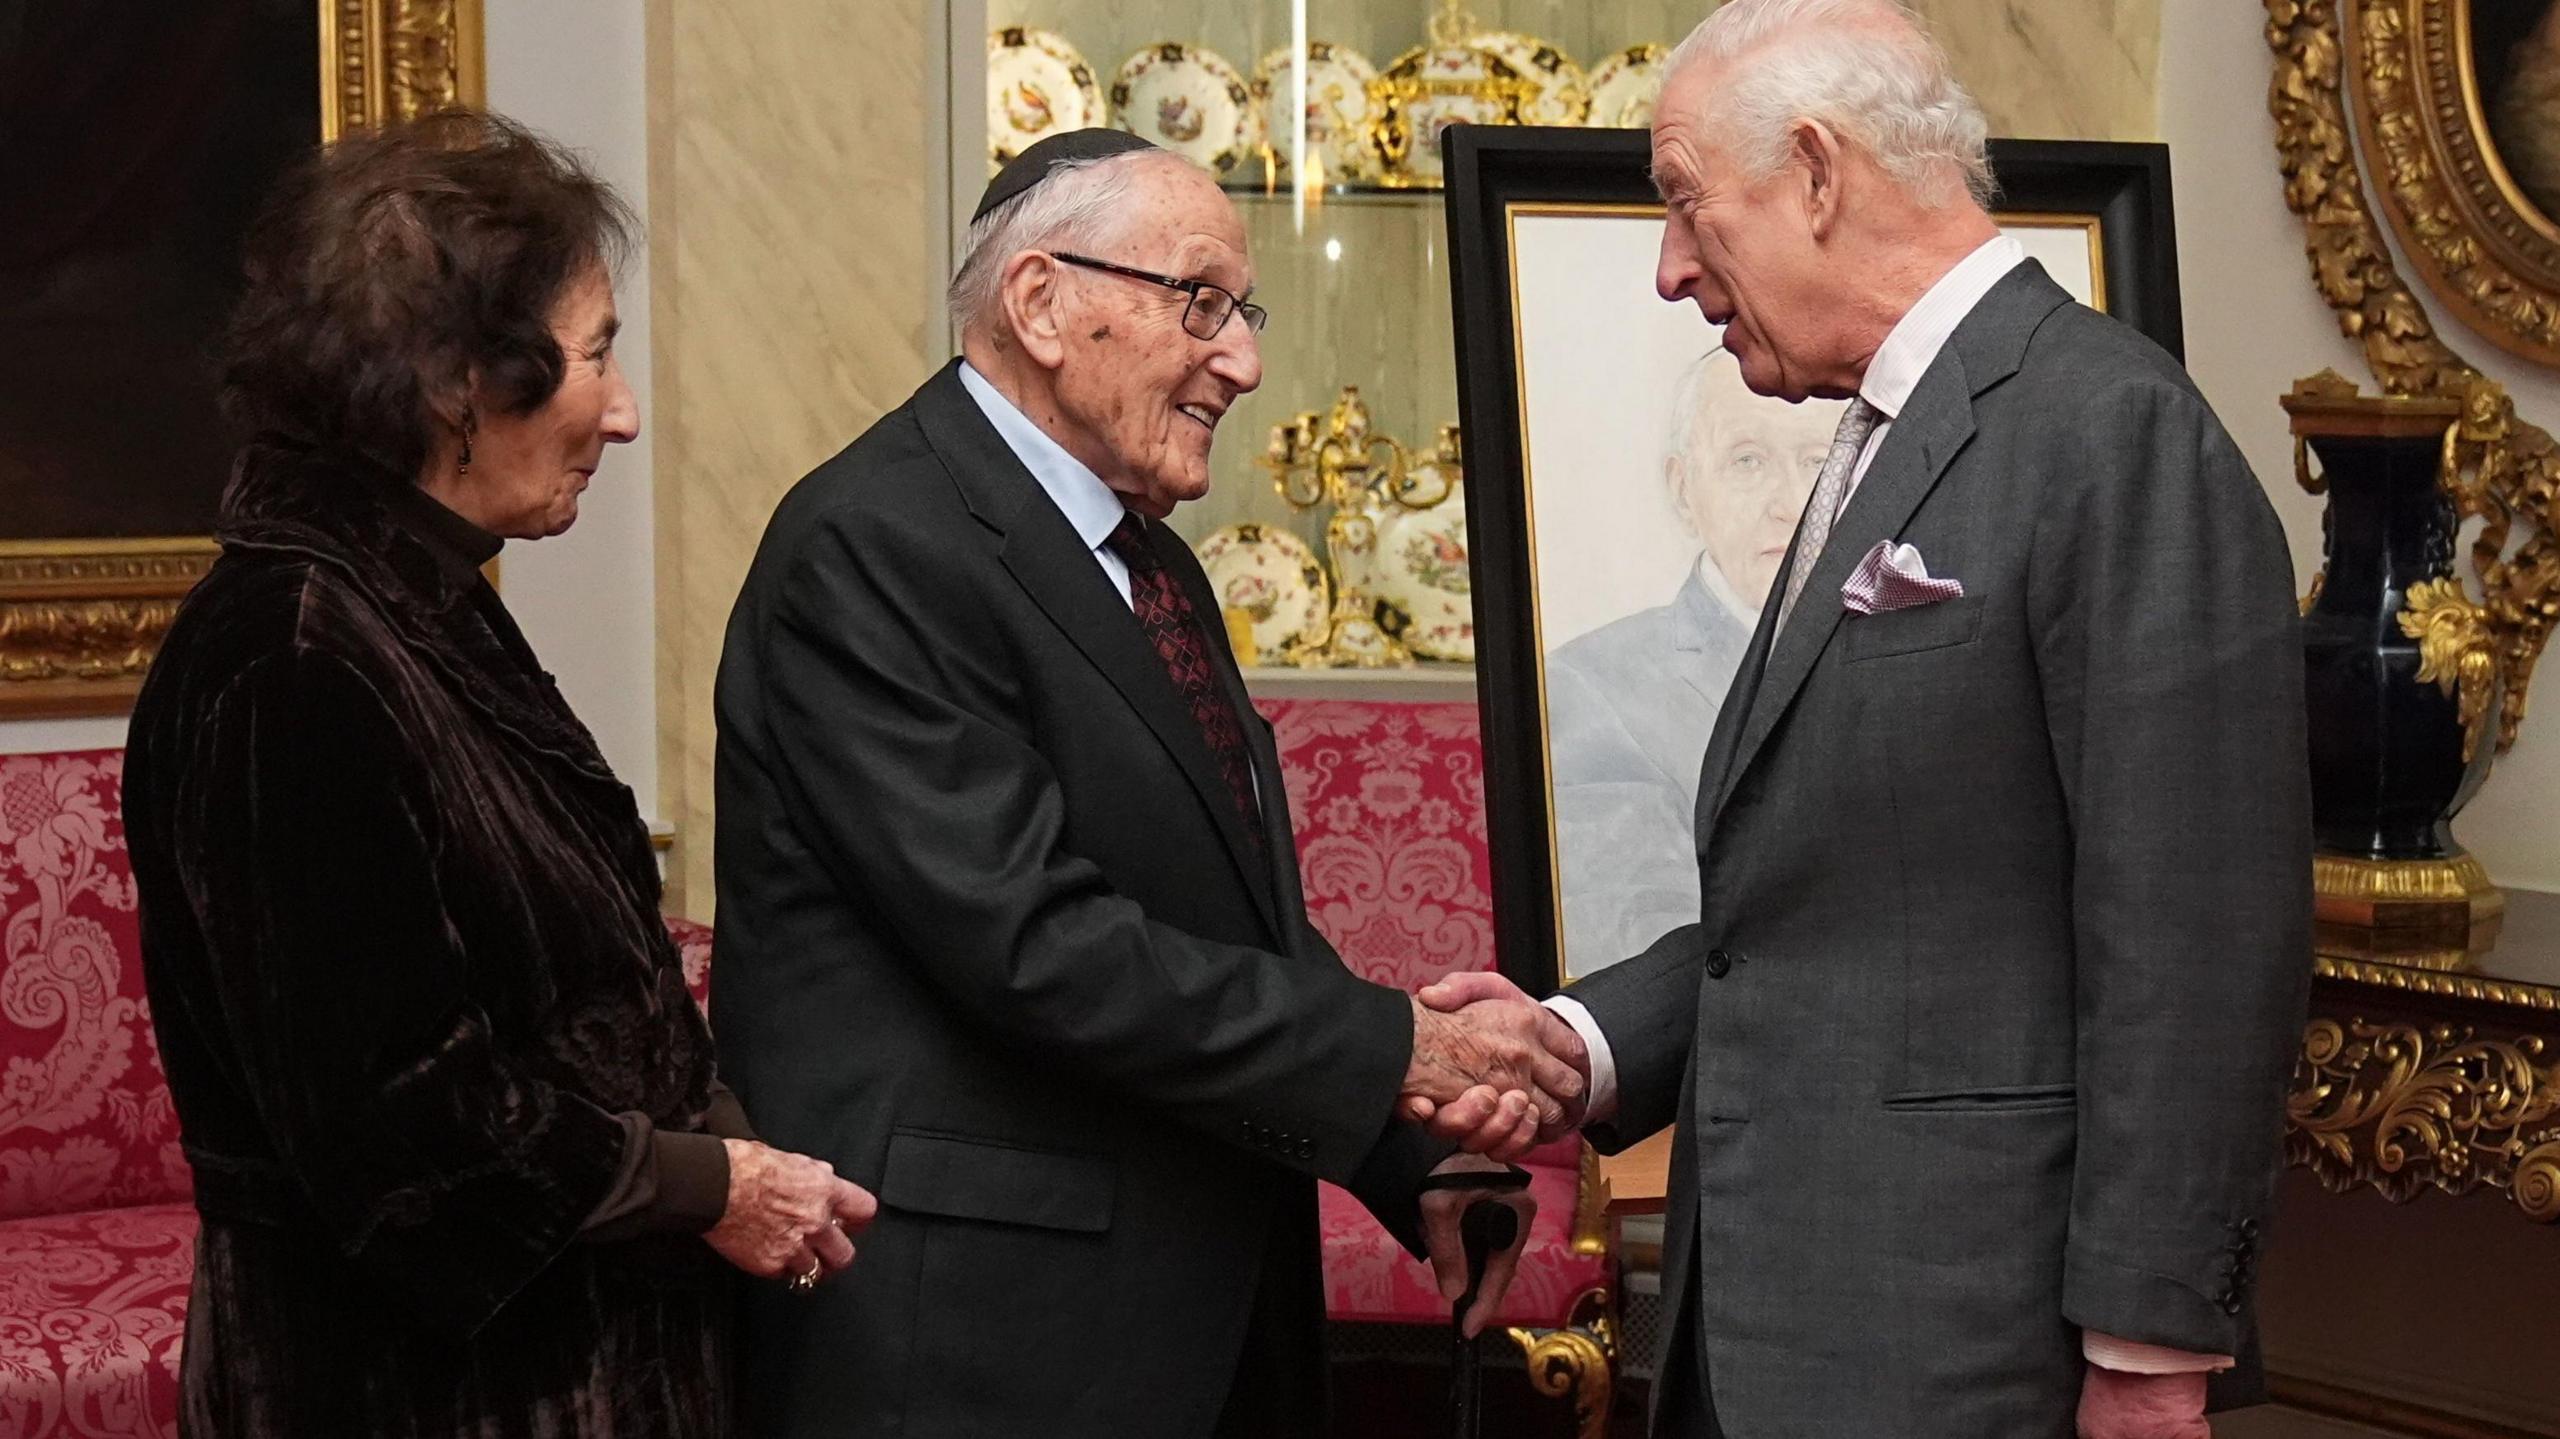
(80, 619)
(2446, 193)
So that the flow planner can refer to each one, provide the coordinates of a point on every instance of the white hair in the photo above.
(1864, 68)
(1074, 208)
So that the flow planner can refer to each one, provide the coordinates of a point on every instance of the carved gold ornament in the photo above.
(2513, 473)
(1579, 1361)
(80, 619)
(2455, 650)
(2404, 1109)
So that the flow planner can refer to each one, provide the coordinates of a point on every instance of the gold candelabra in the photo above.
(1337, 460)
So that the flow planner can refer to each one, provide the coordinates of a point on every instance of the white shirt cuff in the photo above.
(2126, 1357)
(1603, 1103)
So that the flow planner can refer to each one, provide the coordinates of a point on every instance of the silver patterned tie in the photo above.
(1856, 423)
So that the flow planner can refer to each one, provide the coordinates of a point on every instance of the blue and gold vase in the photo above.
(2401, 678)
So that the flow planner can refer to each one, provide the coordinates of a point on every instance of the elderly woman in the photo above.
(462, 1160)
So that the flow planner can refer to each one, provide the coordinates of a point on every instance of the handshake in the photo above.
(1493, 1071)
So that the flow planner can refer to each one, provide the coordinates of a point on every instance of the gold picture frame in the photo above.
(2402, 67)
(80, 619)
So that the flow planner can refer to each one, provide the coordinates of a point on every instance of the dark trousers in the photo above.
(1281, 1389)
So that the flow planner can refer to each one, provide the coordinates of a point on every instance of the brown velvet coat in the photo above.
(400, 925)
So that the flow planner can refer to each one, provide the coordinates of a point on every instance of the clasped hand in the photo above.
(1493, 1071)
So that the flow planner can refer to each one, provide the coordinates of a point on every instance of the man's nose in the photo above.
(1237, 358)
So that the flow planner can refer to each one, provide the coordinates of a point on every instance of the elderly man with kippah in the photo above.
(1011, 928)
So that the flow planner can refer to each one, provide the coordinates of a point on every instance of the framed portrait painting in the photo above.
(136, 142)
(1631, 501)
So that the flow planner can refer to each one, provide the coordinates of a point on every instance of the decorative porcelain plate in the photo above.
(1437, 86)
(1338, 108)
(1273, 577)
(1037, 85)
(1563, 98)
(1623, 86)
(1422, 570)
(1190, 101)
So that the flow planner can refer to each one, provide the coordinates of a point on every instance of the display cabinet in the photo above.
(1336, 523)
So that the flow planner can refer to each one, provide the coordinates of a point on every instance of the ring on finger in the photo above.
(807, 1279)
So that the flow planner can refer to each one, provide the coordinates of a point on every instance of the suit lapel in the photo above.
(1051, 563)
(1933, 428)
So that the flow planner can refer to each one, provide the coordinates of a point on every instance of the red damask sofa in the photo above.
(97, 1229)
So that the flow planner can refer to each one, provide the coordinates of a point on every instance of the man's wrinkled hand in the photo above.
(2115, 1405)
(1442, 1209)
(1492, 1071)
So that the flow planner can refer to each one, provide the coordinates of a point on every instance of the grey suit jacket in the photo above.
(1629, 708)
(1981, 1034)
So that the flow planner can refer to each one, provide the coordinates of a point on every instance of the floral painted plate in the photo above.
(1037, 86)
(1190, 101)
(1623, 87)
(1434, 87)
(1273, 577)
(1422, 570)
(1563, 98)
(1339, 108)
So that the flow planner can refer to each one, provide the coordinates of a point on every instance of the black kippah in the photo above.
(1026, 170)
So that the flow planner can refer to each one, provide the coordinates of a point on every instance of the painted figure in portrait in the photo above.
(135, 138)
(1631, 703)
(2515, 55)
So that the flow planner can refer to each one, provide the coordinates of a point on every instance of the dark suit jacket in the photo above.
(1981, 1036)
(995, 941)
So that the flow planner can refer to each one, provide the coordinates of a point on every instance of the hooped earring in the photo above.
(470, 427)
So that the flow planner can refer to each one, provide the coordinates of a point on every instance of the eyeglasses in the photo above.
(1210, 305)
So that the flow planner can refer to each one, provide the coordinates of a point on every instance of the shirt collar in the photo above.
(1092, 510)
(1913, 346)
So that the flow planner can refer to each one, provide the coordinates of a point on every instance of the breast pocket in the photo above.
(1922, 627)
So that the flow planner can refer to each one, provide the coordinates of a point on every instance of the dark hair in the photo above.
(390, 267)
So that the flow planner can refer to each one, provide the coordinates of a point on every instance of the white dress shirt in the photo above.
(1906, 354)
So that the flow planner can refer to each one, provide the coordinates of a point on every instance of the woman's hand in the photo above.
(788, 1215)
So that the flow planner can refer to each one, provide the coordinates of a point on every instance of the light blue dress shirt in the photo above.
(1092, 510)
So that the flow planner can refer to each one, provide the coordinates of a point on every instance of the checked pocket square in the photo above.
(1894, 577)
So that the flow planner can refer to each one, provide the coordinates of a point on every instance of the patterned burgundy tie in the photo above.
(1173, 628)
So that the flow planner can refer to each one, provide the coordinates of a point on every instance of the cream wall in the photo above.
(793, 145)
(577, 70)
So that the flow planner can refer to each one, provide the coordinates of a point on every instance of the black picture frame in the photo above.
(1490, 170)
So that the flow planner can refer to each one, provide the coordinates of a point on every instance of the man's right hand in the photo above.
(1492, 1070)
(788, 1214)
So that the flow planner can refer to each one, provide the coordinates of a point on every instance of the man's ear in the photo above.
(1816, 152)
(1031, 300)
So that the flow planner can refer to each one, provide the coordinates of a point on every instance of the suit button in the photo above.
(2229, 1300)
(2249, 1230)
(1306, 1149)
(1719, 964)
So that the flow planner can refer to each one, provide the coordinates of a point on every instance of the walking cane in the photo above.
(1486, 1228)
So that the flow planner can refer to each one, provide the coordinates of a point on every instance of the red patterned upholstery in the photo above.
(96, 1235)
(1388, 799)
(85, 1120)
(693, 942)
(92, 1309)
